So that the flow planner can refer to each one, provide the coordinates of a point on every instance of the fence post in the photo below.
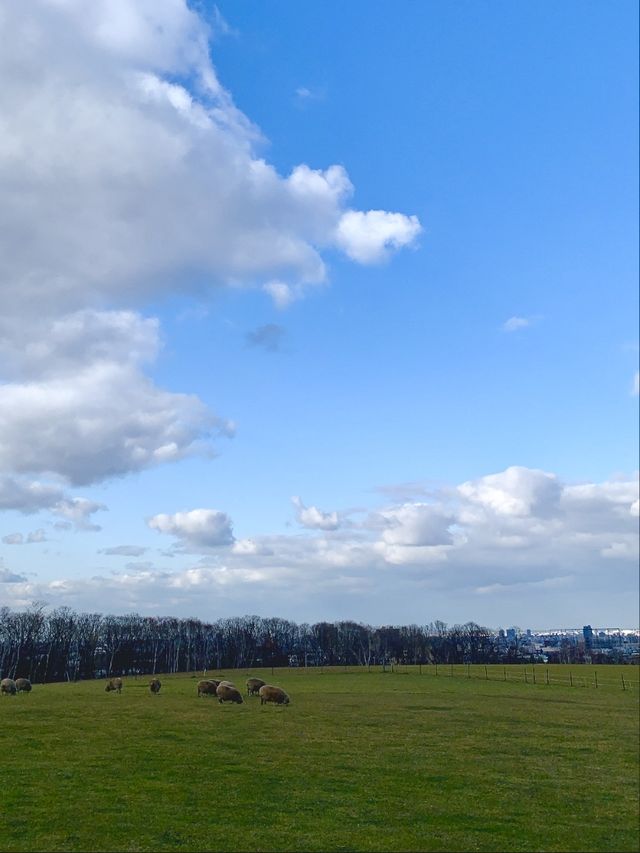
(622, 677)
(468, 671)
(486, 674)
(547, 675)
(436, 667)
(451, 670)
(504, 672)
(596, 677)
(570, 679)
(525, 676)
(534, 674)
(420, 665)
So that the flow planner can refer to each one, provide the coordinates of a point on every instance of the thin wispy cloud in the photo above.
(123, 551)
(305, 95)
(514, 324)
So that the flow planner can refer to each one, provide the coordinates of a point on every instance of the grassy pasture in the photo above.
(360, 761)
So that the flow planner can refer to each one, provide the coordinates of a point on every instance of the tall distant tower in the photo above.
(587, 633)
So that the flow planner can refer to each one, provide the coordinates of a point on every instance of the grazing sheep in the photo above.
(114, 684)
(8, 686)
(23, 685)
(155, 685)
(228, 694)
(269, 693)
(207, 688)
(253, 685)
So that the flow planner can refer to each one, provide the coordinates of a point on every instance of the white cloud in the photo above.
(77, 512)
(54, 348)
(117, 179)
(249, 547)
(282, 294)
(85, 411)
(515, 323)
(196, 528)
(417, 524)
(368, 237)
(314, 518)
(106, 421)
(517, 491)
(13, 539)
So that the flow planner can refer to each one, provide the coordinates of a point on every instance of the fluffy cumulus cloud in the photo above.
(314, 518)
(515, 492)
(368, 237)
(196, 528)
(519, 531)
(124, 177)
(107, 421)
(126, 173)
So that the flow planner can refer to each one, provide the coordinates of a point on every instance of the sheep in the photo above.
(207, 688)
(8, 686)
(114, 684)
(23, 685)
(253, 685)
(269, 693)
(155, 685)
(228, 694)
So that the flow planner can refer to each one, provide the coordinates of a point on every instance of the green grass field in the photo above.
(394, 761)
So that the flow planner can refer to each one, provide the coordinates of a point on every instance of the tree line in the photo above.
(64, 645)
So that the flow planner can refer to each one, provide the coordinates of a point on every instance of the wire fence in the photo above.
(615, 676)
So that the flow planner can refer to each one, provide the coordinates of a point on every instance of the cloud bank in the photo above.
(517, 530)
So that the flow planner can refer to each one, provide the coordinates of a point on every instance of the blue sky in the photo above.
(448, 386)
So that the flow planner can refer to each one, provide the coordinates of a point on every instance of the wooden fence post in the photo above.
(436, 667)
(570, 679)
(622, 677)
(596, 677)
(504, 672)
(486, 674)
(547, 675)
